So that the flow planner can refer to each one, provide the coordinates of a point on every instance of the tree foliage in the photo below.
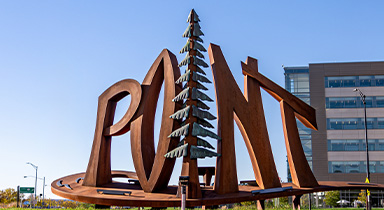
(362, 197)
(331, 198)
(65, 204)
(8, 195)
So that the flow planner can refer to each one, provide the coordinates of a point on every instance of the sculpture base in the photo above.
(71, 187)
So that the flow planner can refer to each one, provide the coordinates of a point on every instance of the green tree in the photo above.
(283, 203)
(362, 196)
(8, 195)
(331, 198)
(69, 204)
(304, 201)
(86, 205)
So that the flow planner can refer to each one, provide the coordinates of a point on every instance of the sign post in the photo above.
(27, 190)
(18, 197)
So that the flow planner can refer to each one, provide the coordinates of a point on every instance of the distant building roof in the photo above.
(297, 69)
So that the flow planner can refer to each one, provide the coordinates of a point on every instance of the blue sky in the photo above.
(57, 57)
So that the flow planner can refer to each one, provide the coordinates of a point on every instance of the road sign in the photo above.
(27, 189)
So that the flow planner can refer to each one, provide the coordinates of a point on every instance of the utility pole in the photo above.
(35, 167)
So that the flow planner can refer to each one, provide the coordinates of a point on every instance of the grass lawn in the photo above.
(235, 208)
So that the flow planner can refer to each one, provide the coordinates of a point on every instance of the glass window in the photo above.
(302, 129)
(297, 82)
(381, 145)
(336, 145)
(379, 80)
(310, 164)
(380, 123)
(336, 103)
(368, 102)
(365, 81)
(344, 123)
(348, 81)
(355, 167)
(371, 145)
(336, 167)
(380, 167)
(292, 85)
(354, 123)
(305, 99)
(352, 167)
(350, 103)
(380, 101)
(354, 81)
(352, 145)
(350, 124)
(370, 123)
(334, 82)
(372, 166)
(354, 102)
(334, 124)
(329, 142)
(303, 86)
(305, 137)
(306, 146)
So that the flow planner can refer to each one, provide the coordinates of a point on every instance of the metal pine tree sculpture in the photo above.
(193, 115)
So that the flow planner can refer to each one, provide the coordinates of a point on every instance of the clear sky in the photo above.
(57, 57)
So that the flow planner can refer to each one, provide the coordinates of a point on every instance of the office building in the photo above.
(336, 152)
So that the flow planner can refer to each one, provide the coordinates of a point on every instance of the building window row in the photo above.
(354, 123)
(297, 83)
(355, 145)
(355, 167)
(354, 102)
(354, 81)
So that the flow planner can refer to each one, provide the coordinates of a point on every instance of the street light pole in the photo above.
(35, 167)
(43, 189)
(362, 96)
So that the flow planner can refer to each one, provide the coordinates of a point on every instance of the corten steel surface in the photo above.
(153, 170)
(249, 115)
(99, 166)
(301, 172)
(167, 197)
(207, 173)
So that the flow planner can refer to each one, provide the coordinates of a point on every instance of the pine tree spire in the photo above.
(193, 116)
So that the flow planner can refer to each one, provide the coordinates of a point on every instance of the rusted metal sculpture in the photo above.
(153, 169)
(148, 186)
